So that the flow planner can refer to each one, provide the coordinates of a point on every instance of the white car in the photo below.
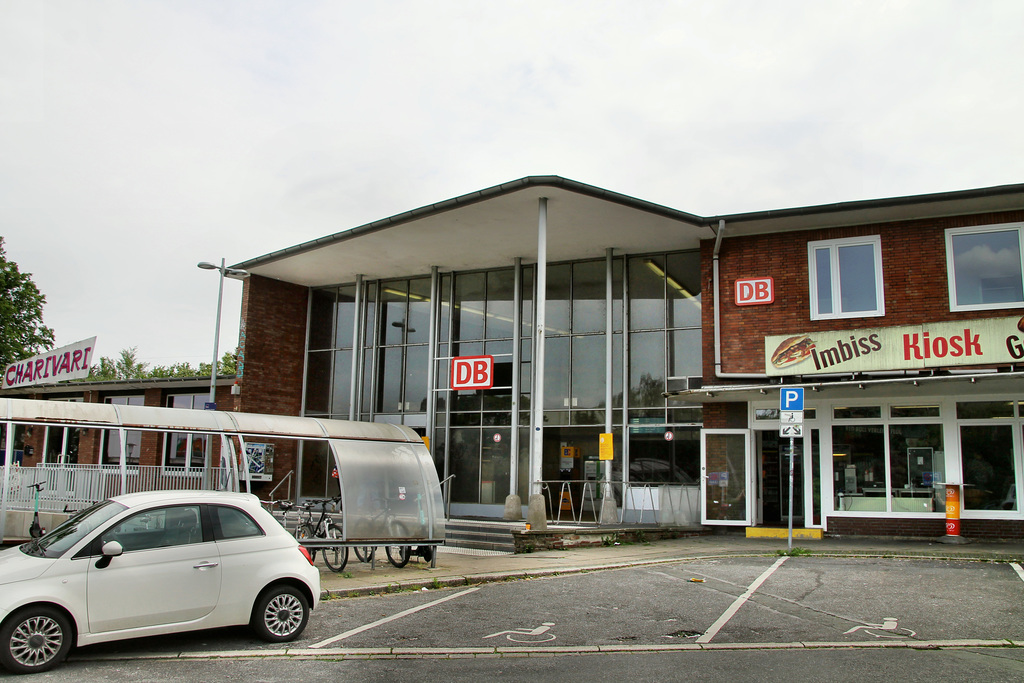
(148, 564)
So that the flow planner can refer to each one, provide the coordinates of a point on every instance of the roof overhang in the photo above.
(911, 387)
(488, 229)
(887, 210)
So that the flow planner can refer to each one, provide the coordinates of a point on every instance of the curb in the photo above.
(542, 651)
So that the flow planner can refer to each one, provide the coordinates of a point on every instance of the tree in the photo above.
(128, 366)
(22, 333)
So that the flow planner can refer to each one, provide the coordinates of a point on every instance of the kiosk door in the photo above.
(727, 481)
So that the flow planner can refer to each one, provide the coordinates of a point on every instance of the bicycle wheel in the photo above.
(398, 555)
(364, 553)
(304, 531)
(335, 557)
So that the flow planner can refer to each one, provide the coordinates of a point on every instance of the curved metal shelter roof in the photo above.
(107, 416)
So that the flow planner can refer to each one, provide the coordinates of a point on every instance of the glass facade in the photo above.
(371, 345)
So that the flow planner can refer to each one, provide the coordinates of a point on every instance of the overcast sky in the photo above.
(138, 138)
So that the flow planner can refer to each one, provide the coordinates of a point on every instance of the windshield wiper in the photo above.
(32, 548)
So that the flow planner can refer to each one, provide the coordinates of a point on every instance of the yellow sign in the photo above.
(607, 451)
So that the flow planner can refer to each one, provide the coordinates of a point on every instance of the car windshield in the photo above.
(58, 541)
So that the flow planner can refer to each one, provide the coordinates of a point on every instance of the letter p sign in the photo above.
(473, 372)
(791, 398)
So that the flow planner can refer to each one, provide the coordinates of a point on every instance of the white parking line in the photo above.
(735, 606)
(393, 617)
(1017, 568)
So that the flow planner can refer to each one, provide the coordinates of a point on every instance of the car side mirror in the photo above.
(110, 550)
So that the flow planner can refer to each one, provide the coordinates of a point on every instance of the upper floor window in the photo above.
(984, 267)
(846, 278)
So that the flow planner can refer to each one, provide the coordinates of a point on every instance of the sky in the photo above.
(138, 138)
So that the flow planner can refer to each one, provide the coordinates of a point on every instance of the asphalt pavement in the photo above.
(459, 567)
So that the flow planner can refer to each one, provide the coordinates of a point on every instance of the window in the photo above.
(112, 437)
(231, 523)
(158, 528)
(984, 268)
(185, 450)
(846, 278)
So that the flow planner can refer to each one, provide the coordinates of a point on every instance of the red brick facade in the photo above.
(914, 276)
(273, 341)
(916, 291)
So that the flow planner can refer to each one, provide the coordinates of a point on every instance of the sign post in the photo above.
(791, 414)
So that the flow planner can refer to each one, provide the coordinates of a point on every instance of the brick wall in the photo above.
(986, 529)
(272, 339)
(914, 276)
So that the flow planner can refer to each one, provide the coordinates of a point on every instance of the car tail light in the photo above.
(305, 553)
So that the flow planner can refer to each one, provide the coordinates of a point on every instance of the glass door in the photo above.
(727, 482)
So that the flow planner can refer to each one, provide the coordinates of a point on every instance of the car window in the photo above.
(58, 541)
(229, 522)
(157, 528)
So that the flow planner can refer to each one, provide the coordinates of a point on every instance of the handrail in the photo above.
(447, 496)
(288, 479)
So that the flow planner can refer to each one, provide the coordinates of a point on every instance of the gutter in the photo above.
(718, 317)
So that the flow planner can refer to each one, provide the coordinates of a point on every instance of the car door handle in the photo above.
(205, 565)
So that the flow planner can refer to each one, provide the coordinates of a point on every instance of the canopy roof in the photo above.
(108, 416)
(492, 227)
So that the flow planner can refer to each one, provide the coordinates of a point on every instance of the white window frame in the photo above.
(875, 241)
(951, 274)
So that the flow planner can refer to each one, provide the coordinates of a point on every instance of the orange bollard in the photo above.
(953, 515)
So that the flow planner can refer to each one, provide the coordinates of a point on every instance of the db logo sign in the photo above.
(755, 290)
(473, 372)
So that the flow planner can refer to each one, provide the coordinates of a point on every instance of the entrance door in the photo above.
(727, 481)
(773, 480)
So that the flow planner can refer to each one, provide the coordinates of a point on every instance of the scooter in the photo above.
(34, 529)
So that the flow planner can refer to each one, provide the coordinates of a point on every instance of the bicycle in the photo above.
(335, 557)
(398, 555)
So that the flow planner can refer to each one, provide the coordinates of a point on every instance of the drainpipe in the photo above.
(718, 318)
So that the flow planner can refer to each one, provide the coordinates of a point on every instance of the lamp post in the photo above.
(236, 274)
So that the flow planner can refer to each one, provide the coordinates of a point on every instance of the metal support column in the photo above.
(609, 513)
(537, 399)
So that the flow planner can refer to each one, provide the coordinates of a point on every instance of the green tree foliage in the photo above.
(129, 367)
(22, 333)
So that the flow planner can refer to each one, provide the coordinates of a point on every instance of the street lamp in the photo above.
(236, 274)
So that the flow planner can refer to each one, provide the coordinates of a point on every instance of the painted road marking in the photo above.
(393, 617)
(1017, 568)
(889, 624)
(739, 602)
(528, 635)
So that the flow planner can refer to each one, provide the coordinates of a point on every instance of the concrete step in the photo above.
(480, 535)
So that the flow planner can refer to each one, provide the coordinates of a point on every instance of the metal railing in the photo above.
(640, 499)
(73, 487)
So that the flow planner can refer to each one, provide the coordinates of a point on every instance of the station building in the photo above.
(674, 333)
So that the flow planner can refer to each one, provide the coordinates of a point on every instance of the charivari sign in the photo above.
(907, 347)
(67, 362)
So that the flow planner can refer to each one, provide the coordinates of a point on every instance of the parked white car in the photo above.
(149, 564)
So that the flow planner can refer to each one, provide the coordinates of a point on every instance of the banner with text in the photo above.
(907, 347)
(67, 362)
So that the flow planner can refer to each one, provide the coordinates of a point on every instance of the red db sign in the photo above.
(752, 291)
(473, 372)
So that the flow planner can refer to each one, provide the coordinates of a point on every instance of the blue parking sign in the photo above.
(791, 398)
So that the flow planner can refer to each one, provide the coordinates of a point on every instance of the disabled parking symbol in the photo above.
(528, 635)
(889, 628)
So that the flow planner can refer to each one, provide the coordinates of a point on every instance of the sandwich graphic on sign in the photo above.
(792, 350)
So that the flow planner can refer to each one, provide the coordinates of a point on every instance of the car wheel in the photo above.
(35, 639)
(280, 614)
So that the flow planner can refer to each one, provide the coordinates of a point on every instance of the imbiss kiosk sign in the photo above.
(473, 372)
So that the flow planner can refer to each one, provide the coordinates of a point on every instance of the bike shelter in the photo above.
(390, 492)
